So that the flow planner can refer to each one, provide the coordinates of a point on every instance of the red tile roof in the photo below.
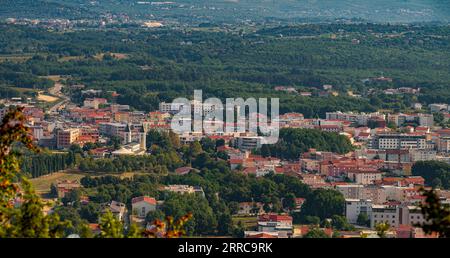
(262, 235)
(144, 199)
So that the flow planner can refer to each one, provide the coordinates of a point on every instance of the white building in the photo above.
(399, 141)
(420, 119)
(356, 118)
(355, 207)
(142, 205)
(248, 142)
(196, 107)
(396, 214)
(434, 108)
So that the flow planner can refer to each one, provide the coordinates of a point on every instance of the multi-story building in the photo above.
(396, 214)
(365, 177)
(382, 213)
(422, 155)
(355, 118)
(94, 102)
(355, 207)
(350, 191)
(196, 107)
(374, 193)
(434, 108)
(443, 144)
(66, 137)
(248, 142)
(275, 223)
(419, 119)
(112, 129)
(184, 189)
(399, 141)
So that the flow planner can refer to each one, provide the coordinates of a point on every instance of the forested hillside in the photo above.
(193, 11)
(161, 64)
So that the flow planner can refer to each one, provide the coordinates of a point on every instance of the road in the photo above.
(56, 91)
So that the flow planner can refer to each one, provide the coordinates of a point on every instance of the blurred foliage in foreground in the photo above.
(29, 220)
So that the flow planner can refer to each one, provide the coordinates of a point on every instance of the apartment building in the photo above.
(399, 141)
(66, 137)
(355, 118)
(94, 102)
(419, 119)
(443, 144)
(396, 214)
(112, 129)
(248, 142)
(355, 207)
(365, 177)
(196, 107)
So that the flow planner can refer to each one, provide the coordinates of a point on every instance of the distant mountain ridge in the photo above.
(41, 9)
(233, 10)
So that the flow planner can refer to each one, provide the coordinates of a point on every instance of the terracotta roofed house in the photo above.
(142, 205)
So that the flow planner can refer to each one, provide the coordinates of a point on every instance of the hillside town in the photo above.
(375, 178)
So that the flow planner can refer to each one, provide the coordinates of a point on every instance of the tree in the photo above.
(90, 212)
(134, 231)
(28, 220)
(233, 207)
(294, 141)
(436, 214)
(324, 204)
(363, 220)
(195, 149)
(110, 226)
(169, 228)
(72, 198)
(315, 232)
(435, 173)
(436, 183)
(313, 220)
(203, 220)
(382, 229)
(154, 215)
(289, 202)
(225, 224)
(340, 223)
(53, 190)
(238, 230)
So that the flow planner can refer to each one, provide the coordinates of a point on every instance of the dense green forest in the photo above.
(226, 11)
(295, 141)
(161, 64)
(436, 173)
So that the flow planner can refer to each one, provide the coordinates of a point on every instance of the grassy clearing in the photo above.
(42, 184)
(249, 222)
(15, 58)
(71, 58)
(118, 56)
